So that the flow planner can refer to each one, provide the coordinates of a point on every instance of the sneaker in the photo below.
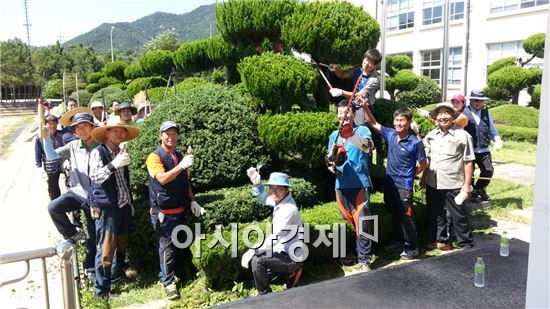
(172, 292)
(76, 237)
(293, 278)
(483, 195)
(364, 267)
(408, 254)
(439, 245)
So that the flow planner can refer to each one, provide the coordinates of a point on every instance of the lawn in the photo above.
(516, 152)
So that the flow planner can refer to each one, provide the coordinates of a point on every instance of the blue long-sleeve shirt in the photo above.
(39, 155)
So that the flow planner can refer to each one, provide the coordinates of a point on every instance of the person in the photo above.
(110, 201)
(114, 107)
(66, 121)
(143, 110)
(278, 254)
(76, 198)
(170, 197)
(448, 179)
(348, 158)
(125, 110)
(482, 129)
(458, 102)
(52, 168)
(365, 81)
(100, 116)
(404, 150)
(71, 104)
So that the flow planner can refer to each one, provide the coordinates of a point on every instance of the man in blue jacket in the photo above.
(52, 168)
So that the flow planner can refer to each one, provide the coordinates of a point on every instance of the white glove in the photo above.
(423, 112)
(123, 146)
(362, 143)
(196, 209)
(414, 127)
(247, 257)
(498, 143)
(121, 159)
(186, 162)
(336, 92)
(254, 176)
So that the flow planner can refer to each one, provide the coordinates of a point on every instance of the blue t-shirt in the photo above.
(355, 171)
(402, 157)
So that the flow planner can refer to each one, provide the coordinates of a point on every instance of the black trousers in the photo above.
(279, 263)
(439, 202)
(53, 185)
(400, 202)
(485, 165)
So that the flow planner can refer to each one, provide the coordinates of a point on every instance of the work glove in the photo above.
(364, 144)
(247, 257)
(336, 92)
(95, 212)
(254, 176)
(498, 143)
(196, 209)
(44, 133)
(121, 159)
(423, 113)
(123, 146)
(414, 127)
(186, 162)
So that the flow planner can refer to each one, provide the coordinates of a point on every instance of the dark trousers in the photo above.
(53, 185)
(354, 206)
(112, 230)
(279, 263)
(58, 210)
(439, 202)
(400, 202)
(485, 165)
(167, 249)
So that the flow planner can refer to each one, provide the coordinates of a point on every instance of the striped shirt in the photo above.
(99, 173)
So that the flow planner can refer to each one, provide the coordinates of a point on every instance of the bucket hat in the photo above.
(278, 179)
(80, 118)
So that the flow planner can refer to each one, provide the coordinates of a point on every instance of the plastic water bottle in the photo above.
(504, 244)
(479, 273)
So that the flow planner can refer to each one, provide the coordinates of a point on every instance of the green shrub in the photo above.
(506, 83)
(278, 80)
(514, 115)
(495, 103)
(535, 96)
(404, 80)
(534, 44)
(499, 64)
(157, 63)
(317, 28)
(218, 125)
(94, 77)
(82, 96)
(157, 94)
(133, 71)
(142, 247)
(427, 92)
(53, 89)
(107, 81)
(108, 94)
(191, 57)
(143, 83)
(92, 88)
(114, 69)
(299, 136)
(190, 83)
(519, 134)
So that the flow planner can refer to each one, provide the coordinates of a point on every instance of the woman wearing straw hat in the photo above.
(110, 200)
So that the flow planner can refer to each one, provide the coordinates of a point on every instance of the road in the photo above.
(26, 225)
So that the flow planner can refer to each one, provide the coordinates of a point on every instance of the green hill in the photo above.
(131, 36)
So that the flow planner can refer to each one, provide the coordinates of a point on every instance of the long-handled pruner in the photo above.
(307, 59)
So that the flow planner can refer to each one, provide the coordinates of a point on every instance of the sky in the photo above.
(62, 20)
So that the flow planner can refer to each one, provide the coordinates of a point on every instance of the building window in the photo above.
(454, 76)
(457, 10)
(497, 51)
(431, 64)
(433, 12)
(400, 15)
(531, 3)
(498, 6)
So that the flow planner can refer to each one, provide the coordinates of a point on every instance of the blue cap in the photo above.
(168, 125)
(80, 118)
(278, 179)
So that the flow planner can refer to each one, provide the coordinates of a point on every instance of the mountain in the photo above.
(133, 35)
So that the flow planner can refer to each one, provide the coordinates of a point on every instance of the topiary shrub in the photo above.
(427, 92)
(133, 71)
(92, 88)
(534, 44)
(94, 77)
(114, 69)
(108, 94)
(506, 83)
(535, 96)
(191, 57)
(82, 96)
(190, 83)
(316, 28)
(220, 127)
(519, 134)
(237, 205)
(143, 83)
(157, 63)
(278, 80)
(513, 115)
(499, 64)
(404, 80)
(107, 81)
(298, 136)
(157, 94)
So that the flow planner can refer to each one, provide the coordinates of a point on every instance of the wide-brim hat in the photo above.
(477, 94)
(99, 134)
(444, 105)
(67, 118)
(278, 179)
(124, 105)
(80, 118)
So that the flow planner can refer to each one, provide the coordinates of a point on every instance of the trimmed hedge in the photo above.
(114, 69)
(514, 115)
(156, 94)
(156, 63)
(94, 77)
(133, 71)
(93, 87)
(300, 136)
(518, 134)
(143, 83)
(107, 81)
(190, 83)
(108, 94)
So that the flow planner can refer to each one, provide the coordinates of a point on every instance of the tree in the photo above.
(114, 69)
(83, 59)
(499, 64)
(191, 57)
(427, 92)
(506, 83)
(534, 45)
(16, 64)
(167, 41)
(49, 61)
(158, 62)
(401, 77)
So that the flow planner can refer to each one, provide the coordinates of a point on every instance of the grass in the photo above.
(516, 152)
(9, 126)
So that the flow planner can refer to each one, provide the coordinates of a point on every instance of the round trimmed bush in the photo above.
(157, 94)
(534, 44)
(108, 94)
(94, 77)
(535, 96)
(220, 127)
(93, 87)
(427, 92)
(157, 63)
(190, 83)
(107, 81)
(191, 57)
(143, 83)
(514, 115)
(278, 80)
(499, 64)
(133, 71)
(114, 69)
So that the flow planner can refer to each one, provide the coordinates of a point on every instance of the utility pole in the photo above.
(383, 49)
(445, 51)
(27, 25)
(112, 53)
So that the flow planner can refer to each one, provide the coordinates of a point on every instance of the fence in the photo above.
(65, 251)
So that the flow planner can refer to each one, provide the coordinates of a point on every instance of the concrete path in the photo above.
(521, 174)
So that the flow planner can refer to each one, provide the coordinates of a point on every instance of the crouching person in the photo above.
(111, 199)
(283, 251)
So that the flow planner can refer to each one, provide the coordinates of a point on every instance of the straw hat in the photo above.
(100, 133)
(66, 118)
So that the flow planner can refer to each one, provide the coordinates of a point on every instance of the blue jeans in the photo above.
(58, 210)
(112, 228)
(167, 250)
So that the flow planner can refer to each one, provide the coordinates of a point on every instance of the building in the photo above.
(493, 29)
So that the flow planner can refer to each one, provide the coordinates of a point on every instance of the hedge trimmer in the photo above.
(307, 59)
